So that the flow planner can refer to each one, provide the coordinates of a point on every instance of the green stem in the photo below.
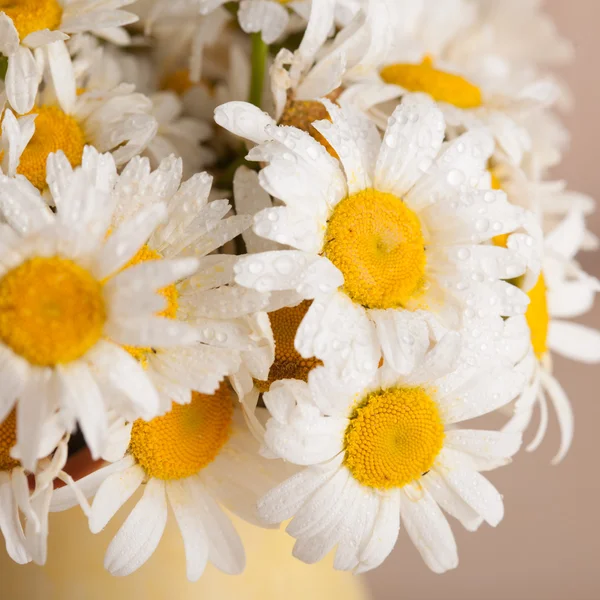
(260, 51)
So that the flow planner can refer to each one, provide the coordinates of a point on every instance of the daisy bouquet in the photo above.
(276, 259)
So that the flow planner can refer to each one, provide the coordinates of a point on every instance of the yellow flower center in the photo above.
(145, 253)
(185, 440)
(538, 317)
(178, 81)
(8, 438)
(32, 15)
(441, 86)
(52, 310)
(54, 130)
(375, 240)
(303, 113)
(288, 364)
(393, 438)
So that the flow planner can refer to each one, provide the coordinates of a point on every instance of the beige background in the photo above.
(548, 546)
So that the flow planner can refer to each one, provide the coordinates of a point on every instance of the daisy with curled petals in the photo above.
(42, 26)
(113, 120)
(68, 301)
(562, 292)
(389, 452)
(102, 69)
(197, 458)
(391, 231)
(26, 495)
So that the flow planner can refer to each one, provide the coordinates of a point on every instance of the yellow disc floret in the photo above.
(32, 15)
(185, 440)
(393, 438)
(170, 293)
(8, 438)
(303, 113)
(375, 240)
(288, 363)
(441, 86)
(538, 317)
(178, 81)
(52, 310)
(54, 130)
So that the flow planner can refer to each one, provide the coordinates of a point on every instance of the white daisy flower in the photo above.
(68, 302)
(40, 27)
(198, 458)
(177, 133)
(209, 300)
(380, 238)
(415, 46)
(390, 451)
(562, 292)
(111, 120)
(26, 495)
(16, 498)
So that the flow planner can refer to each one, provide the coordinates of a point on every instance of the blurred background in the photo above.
(548, 546)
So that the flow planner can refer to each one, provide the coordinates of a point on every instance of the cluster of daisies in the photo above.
(271, 258)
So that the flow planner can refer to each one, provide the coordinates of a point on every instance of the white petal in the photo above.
(450, 501)
(384, 535)
(270, 18)
(190, 525)
(22, 80)
(226, 551)
(82, 398)
(9, 36)
(139, 536)
(404, 338)
(151, 331)
(564, 412)
(478, 493)
(429, 531)
(63, 77)
(245, 120)
(285, 500)
(566, 239)
(412, 140)
(64, 498)
(341, 136)
(13, 374)
(34, 402)
(575, 341)
(122, 372)
(123, 244)
(114, 491)
(10, 524)
(489, 444)
(250, 198)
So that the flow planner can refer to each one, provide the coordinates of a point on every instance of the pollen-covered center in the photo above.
(54, 131)
(538, 317)
(184, 441)
(393, 438)
(376, 241)
(32, 15)
(303, 113)
(440, 85)
(177, 81)
(8, 438)
(52, 311)
(288, 363)
(170, 293)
